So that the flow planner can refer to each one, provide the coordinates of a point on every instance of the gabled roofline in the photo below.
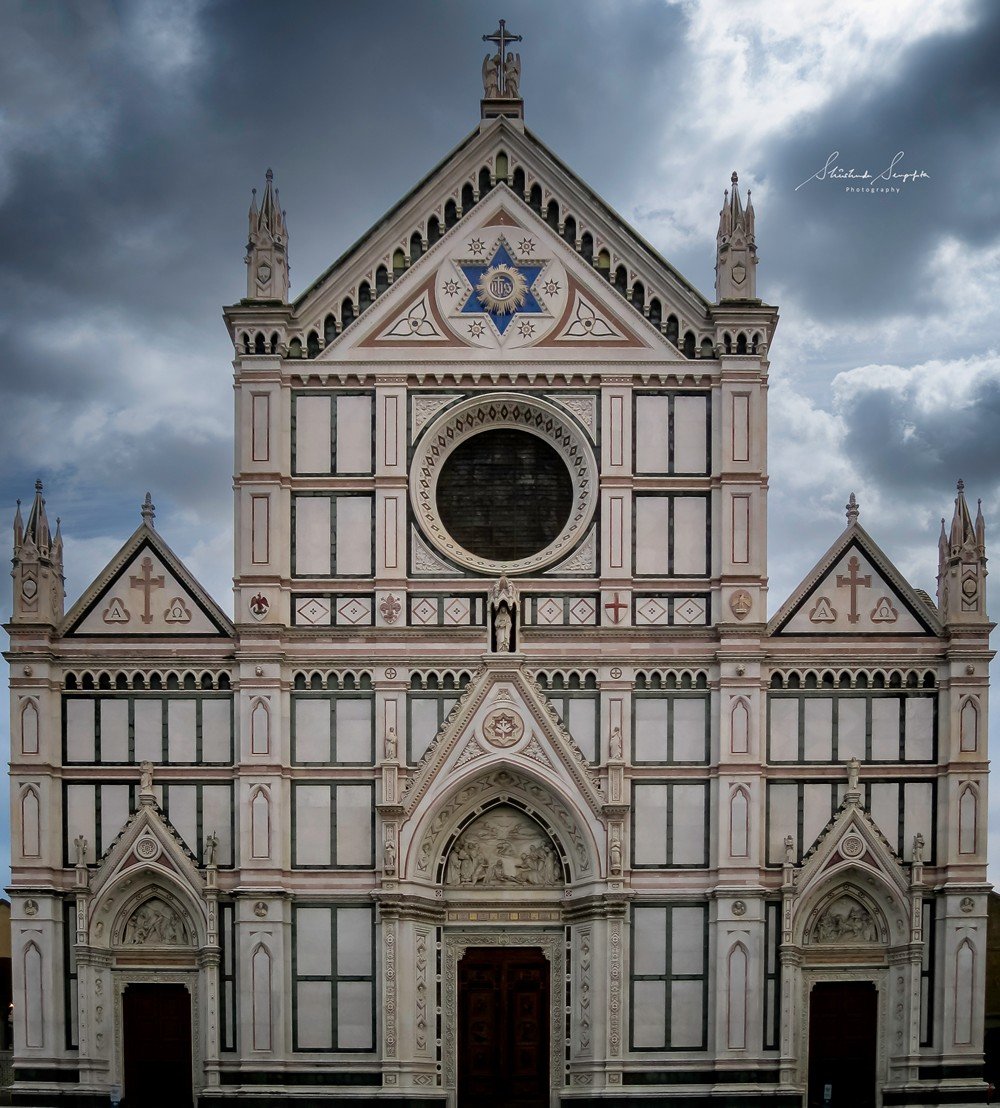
(514, 135)
(395, 209)
(856, 534)
(144, 534)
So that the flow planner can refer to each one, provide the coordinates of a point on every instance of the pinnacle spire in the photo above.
(37, 527)
(148, 510)
(962, 563)
(736, 247)
(853, 510)
(267, 246)
(37, 565)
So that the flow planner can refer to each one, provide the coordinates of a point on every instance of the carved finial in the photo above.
(735, 177)
(852, 509)
(148, 510)
(269, 175)
(961, 485)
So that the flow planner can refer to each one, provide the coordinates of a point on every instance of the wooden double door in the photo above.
(156, 1041)
(503, 1031)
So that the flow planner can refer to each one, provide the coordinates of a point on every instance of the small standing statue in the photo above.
(789, 850)
(390, 744)
(617, 748)
(81, 850)
(853, 771)
(616, 855)
(146, 779)
(512, 76)
(491, 76)
(918, 849)
(504, 625)
(211, 847)
(503, 606)
(389, 856)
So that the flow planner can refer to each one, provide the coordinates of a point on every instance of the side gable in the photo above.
(146, 590)
(854, 589)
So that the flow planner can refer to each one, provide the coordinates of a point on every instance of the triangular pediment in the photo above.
(851, 840)
(146, 590)
(529, 165)
(504, 719)
(501, 283)
(854, 590)
(147, 841)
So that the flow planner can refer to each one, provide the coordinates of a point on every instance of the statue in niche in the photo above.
(617, 748)
(211, 849)
(503, 847)
(155, 923)
(918, 848)
(846, 921)
(80, 843)
(389, 856)
(491, 76)
(789, 850)
(390, 744)
(503, 609)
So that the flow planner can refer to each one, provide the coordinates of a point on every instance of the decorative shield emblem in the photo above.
(739, 273)
(259, 606)
(263, 273)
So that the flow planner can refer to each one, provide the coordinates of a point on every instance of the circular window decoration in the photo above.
(504, 484)
(147, 848)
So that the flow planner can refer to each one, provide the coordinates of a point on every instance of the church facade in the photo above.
(500, 786)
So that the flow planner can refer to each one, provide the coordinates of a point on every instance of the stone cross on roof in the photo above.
(501, 77)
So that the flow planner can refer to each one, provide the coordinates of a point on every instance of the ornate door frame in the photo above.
(553, 945)
(121, 979)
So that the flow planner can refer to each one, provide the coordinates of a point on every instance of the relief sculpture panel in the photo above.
(503, 847)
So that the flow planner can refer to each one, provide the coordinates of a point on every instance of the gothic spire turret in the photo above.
(267, 247)
(37, 566)
(736, 248)
(962, 564)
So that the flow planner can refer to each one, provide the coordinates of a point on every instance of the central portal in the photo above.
(503, 1032)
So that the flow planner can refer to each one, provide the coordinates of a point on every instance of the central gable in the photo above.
(501, 283)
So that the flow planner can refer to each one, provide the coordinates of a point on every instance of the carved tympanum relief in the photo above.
(503, 847)
(845, 921)
(155, 923)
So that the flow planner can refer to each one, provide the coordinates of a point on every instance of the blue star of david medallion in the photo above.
(501, 288)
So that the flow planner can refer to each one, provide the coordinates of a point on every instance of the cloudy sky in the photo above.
(131, 133)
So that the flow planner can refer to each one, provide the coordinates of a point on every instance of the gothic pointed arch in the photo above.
(518, 796)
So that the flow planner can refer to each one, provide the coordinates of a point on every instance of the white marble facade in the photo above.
(403, 747)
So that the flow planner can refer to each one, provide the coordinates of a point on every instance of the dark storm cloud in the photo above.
(856, 256)
(903, 444)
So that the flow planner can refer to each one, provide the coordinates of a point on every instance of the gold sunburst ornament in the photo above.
(502, 289)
